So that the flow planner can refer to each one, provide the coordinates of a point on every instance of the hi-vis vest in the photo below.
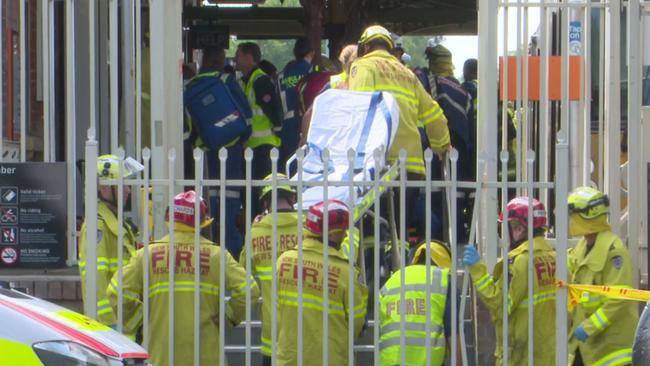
(262, 126)
(415, 291)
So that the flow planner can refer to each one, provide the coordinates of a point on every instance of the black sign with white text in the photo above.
(33, 215)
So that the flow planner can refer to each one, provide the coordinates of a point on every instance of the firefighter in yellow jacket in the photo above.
(159, 287)
(490, 287)
(378, 70)
(108, 167)
(602, 329)
(262, 255)
(415, 315)
(339, 305)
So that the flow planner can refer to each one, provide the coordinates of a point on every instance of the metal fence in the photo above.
(360, 352)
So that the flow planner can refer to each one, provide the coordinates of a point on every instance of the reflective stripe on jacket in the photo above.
(262, 261)
(490, 290)
(338, 305)
(609, 323)
(107, 253)
(262, 126)
(184, 286)
(415, 293)
(380, 71)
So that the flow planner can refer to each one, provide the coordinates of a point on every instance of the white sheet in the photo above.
(339, 123)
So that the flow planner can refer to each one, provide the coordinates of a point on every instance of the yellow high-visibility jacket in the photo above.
(262, 259)
(338, 309)
(107, 249)
(490, 290)
(380, 71)
(609, 323)
(210, 263)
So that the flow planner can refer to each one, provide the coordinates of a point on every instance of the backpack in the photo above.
(217, 113)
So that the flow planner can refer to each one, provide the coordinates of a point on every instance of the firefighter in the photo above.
(313, 282)
(603, 327)
(262, 254)
(108, 167)
(490, 287)
(158, 291)
(415, 294)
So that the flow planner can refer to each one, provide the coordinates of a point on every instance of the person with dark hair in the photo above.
(267, 112)
(288, 81)
(212, 66)
(270, 69)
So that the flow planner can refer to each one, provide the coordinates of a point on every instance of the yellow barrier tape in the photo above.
(612, 292)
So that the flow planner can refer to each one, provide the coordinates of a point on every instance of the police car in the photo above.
(36, 332)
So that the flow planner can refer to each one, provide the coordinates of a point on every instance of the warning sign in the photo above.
(8, 195)
(8, 215)
(9, 235)
(9, 255)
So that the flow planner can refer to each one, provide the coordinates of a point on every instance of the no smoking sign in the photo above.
(9, 255)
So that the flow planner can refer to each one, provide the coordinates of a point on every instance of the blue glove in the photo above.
(580, 333)
(470, 256)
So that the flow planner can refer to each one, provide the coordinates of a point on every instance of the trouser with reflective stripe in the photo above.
(234, 170)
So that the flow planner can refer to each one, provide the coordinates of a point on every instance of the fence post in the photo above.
(90, 305)
(561, 239)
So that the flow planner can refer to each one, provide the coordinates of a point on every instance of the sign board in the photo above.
(575, 37)
(33, 215)
(209, 36)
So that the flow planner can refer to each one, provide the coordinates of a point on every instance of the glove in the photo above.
(580, 333)
(470, 256)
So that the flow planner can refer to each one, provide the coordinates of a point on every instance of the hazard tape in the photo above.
(612, 292)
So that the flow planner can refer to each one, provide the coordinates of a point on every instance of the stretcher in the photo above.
(343, 120)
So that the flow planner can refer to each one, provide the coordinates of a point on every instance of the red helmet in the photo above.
(518, 210)
(338, 214)
(184, 210)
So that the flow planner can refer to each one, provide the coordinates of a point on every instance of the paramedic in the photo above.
(339, 304)
(288, 81)
(603, 328)
(262, 254)
(415, 294)
(184, 268)
(108, 167)
(490, 286)
(267, 111)
(212, 67)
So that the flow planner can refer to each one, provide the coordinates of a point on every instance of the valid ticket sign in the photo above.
(33, 215)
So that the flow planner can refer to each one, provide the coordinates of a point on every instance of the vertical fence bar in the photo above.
(45, 58)
(52, 87)
(601, 100)
(561, 236)
(506, 86)
(402, 258)
(351, 257)
(521, 126)
(504, 253)
(634, 131)
(544, 166)
(70, 130)
(146, 157)
(171, 264)
(377, 154)
(198, 190)
(530, 160)
(248, 158)
(138, 78)
(613, 113)
(90, 306)
(120, 241)
(300, 157)
(274, 253)
(453, 157)
(23, 84)
(428, 157)
(586, 92)
(223, 155)
(326, 165)
(114, 70)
